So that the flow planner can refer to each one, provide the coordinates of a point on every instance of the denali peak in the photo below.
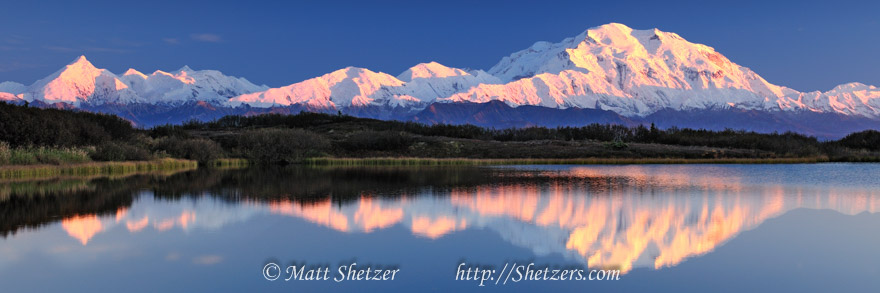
(631, 72)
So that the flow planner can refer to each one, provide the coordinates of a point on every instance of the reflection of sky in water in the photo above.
(650, 217)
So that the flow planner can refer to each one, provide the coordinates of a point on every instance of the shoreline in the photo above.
(115, 168)
(392, 161)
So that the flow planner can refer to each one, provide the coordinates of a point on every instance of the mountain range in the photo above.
(607, 74)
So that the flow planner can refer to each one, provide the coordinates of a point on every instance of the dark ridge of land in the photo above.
(31, 136)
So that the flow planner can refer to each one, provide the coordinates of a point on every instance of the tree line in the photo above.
(273, 138)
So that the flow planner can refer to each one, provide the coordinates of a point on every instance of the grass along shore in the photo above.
(534, 161)
(94, 168)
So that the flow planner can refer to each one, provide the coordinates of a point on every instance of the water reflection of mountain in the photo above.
(32, 204)
(623, 217)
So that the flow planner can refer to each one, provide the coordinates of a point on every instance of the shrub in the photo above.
(616, 145)
(377, 141)
(5, 153)
(273, 146)
(118, 151)
(198, 149)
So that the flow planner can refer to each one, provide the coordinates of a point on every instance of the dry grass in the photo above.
(94, 168)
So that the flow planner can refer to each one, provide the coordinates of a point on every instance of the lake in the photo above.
(663, 228)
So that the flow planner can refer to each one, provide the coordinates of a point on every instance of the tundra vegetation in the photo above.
(34, 136)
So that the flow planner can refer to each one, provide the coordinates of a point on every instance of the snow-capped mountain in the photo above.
(612, 67)
(607, 74)
(358, 87)
(81, 83)
(639, 72)
(9, 91)
(187, 85)
(430, 82)
(853, 99)
(346, 87)
(12, 87)
(8, 97)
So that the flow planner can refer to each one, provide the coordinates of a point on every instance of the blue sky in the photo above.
(806, 45)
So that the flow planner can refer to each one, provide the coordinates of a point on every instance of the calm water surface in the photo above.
(667, 228)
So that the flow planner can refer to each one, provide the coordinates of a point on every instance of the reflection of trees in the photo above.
(303, 184)
(37, 203)
(33, 204)
(33, 207)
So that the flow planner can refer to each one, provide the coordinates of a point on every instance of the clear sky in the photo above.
(806, 45)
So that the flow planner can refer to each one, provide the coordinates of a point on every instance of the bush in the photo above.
(273, 146)
(24, 126)
(868, 139)
(377, 141)
(118, 151)
(198, 149)
(5, 153)
(616, 145)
